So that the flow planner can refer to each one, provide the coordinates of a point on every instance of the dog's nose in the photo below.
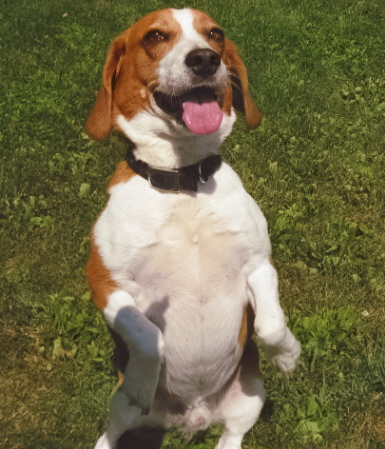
(203, 61)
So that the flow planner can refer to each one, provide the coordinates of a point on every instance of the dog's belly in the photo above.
(193, 288)
(200, 356)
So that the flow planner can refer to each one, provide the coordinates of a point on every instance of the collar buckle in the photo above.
(164, 179)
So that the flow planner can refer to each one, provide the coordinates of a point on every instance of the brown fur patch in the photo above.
(247, 326)
(119, 382)
(122, 174)
(99, 278)
(130, 72)
(236, 66)
(204, 24)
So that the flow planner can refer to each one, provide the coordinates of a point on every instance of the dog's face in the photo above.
(175, 65)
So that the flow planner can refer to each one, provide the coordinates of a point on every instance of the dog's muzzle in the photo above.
(203, 62)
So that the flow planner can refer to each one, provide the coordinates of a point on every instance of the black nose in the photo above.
(203, 61)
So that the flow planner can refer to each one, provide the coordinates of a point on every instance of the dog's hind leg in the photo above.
(124, 417)
(242, 403)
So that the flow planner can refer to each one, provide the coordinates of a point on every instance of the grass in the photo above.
(316, 167)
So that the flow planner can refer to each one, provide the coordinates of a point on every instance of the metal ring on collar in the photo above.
(201, 178)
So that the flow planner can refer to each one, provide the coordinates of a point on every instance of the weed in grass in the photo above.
(77, 331)
(327, 336)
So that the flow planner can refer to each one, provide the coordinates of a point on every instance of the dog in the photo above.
(180, 261)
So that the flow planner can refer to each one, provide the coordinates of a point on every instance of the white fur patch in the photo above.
(175, 77)
(185, 18)
(162, 142)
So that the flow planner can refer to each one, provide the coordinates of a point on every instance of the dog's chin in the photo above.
(197, 109)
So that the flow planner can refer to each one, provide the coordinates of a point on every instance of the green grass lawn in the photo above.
(316, 167)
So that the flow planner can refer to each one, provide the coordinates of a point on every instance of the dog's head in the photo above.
(177, 66)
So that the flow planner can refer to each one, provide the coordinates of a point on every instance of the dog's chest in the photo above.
(200, 249)
(181, 246)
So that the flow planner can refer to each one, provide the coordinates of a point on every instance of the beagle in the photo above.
(180, 259)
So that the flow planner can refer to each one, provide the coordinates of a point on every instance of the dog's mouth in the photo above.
(197, 109)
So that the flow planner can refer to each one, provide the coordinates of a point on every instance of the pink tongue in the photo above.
(202, 118)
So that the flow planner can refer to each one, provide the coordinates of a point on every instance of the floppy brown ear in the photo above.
(242, 100)
(98, 124)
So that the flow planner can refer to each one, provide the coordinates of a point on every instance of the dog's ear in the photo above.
(242, 100)
(99, 124)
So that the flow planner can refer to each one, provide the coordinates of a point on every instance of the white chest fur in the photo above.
(215, 235)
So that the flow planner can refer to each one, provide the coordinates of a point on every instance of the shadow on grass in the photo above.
(143, 438)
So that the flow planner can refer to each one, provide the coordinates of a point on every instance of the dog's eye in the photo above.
(217, 34)
(154, 36)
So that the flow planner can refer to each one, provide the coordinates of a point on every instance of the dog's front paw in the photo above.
(289, 358)
(285, 354)
(141, 381)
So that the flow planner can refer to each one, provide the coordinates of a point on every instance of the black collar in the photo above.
(178, 179)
